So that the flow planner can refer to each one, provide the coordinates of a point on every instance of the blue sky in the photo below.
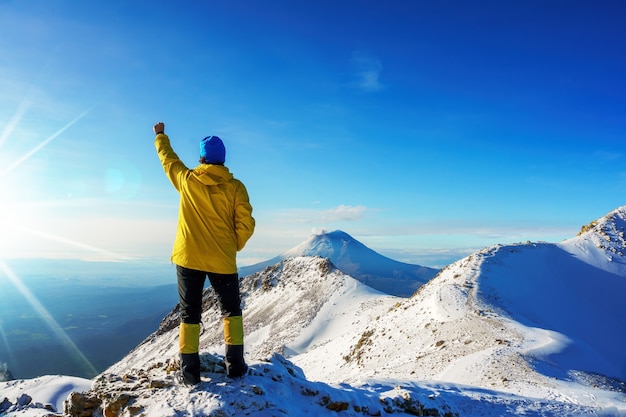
(425, 129)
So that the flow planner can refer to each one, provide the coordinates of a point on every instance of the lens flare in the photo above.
(104, 254)
(43, 143)
(14, 219)
(5, 342)
(8, 129)
(47, 317)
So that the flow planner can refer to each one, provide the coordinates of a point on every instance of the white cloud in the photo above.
(341, 213)
(368, 71)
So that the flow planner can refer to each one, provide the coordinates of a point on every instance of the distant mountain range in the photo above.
(357, 260)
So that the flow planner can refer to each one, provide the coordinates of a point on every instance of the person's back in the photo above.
(214, 222)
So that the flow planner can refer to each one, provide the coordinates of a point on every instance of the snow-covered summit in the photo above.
(357, 260)
(602, 243)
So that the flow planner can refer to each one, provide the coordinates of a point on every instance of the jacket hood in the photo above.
(209, 174)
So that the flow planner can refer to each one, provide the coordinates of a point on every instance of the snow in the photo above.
(533, 329)
(357, 260)
(50, 389)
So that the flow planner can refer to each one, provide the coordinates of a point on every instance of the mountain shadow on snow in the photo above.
(357, 260)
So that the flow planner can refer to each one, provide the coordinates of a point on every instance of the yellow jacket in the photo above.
(214, 216)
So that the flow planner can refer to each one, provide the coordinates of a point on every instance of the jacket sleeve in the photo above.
(244, 222)
(174, 168)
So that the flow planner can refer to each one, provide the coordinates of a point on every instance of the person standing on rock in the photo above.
(214, 223)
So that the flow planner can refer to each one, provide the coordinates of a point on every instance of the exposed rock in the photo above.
(81, 404)
(24, 400)
(113, 407)
(5, 405)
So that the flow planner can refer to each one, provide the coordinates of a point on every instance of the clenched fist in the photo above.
(159, 128)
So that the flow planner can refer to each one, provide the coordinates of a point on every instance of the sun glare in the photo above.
(22, 220)
(12, 215)
(5, 342)
(43, 143)
(15, 216)
(47, 317)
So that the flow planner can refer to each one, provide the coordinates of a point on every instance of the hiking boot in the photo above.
(235, 365)
(237, 372)
(190, 368)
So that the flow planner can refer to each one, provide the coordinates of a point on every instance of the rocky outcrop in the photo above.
(22, 403)
(141, 392)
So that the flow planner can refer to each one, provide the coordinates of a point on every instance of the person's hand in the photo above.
(159, 128)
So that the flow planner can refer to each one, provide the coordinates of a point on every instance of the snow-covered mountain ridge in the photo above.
(531, 329)
(602, 242)
(357, 260)
(287, 310)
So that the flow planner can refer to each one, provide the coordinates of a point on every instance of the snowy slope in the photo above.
(292, 307)
(38, 396)
(358, 261)
(531, 329)
(538, 319)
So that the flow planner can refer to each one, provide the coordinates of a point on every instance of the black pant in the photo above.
(191, 285)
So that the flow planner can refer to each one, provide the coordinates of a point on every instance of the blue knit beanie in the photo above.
(212, 150)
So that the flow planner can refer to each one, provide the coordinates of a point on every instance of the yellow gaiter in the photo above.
(233, 330)
(189, 338)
